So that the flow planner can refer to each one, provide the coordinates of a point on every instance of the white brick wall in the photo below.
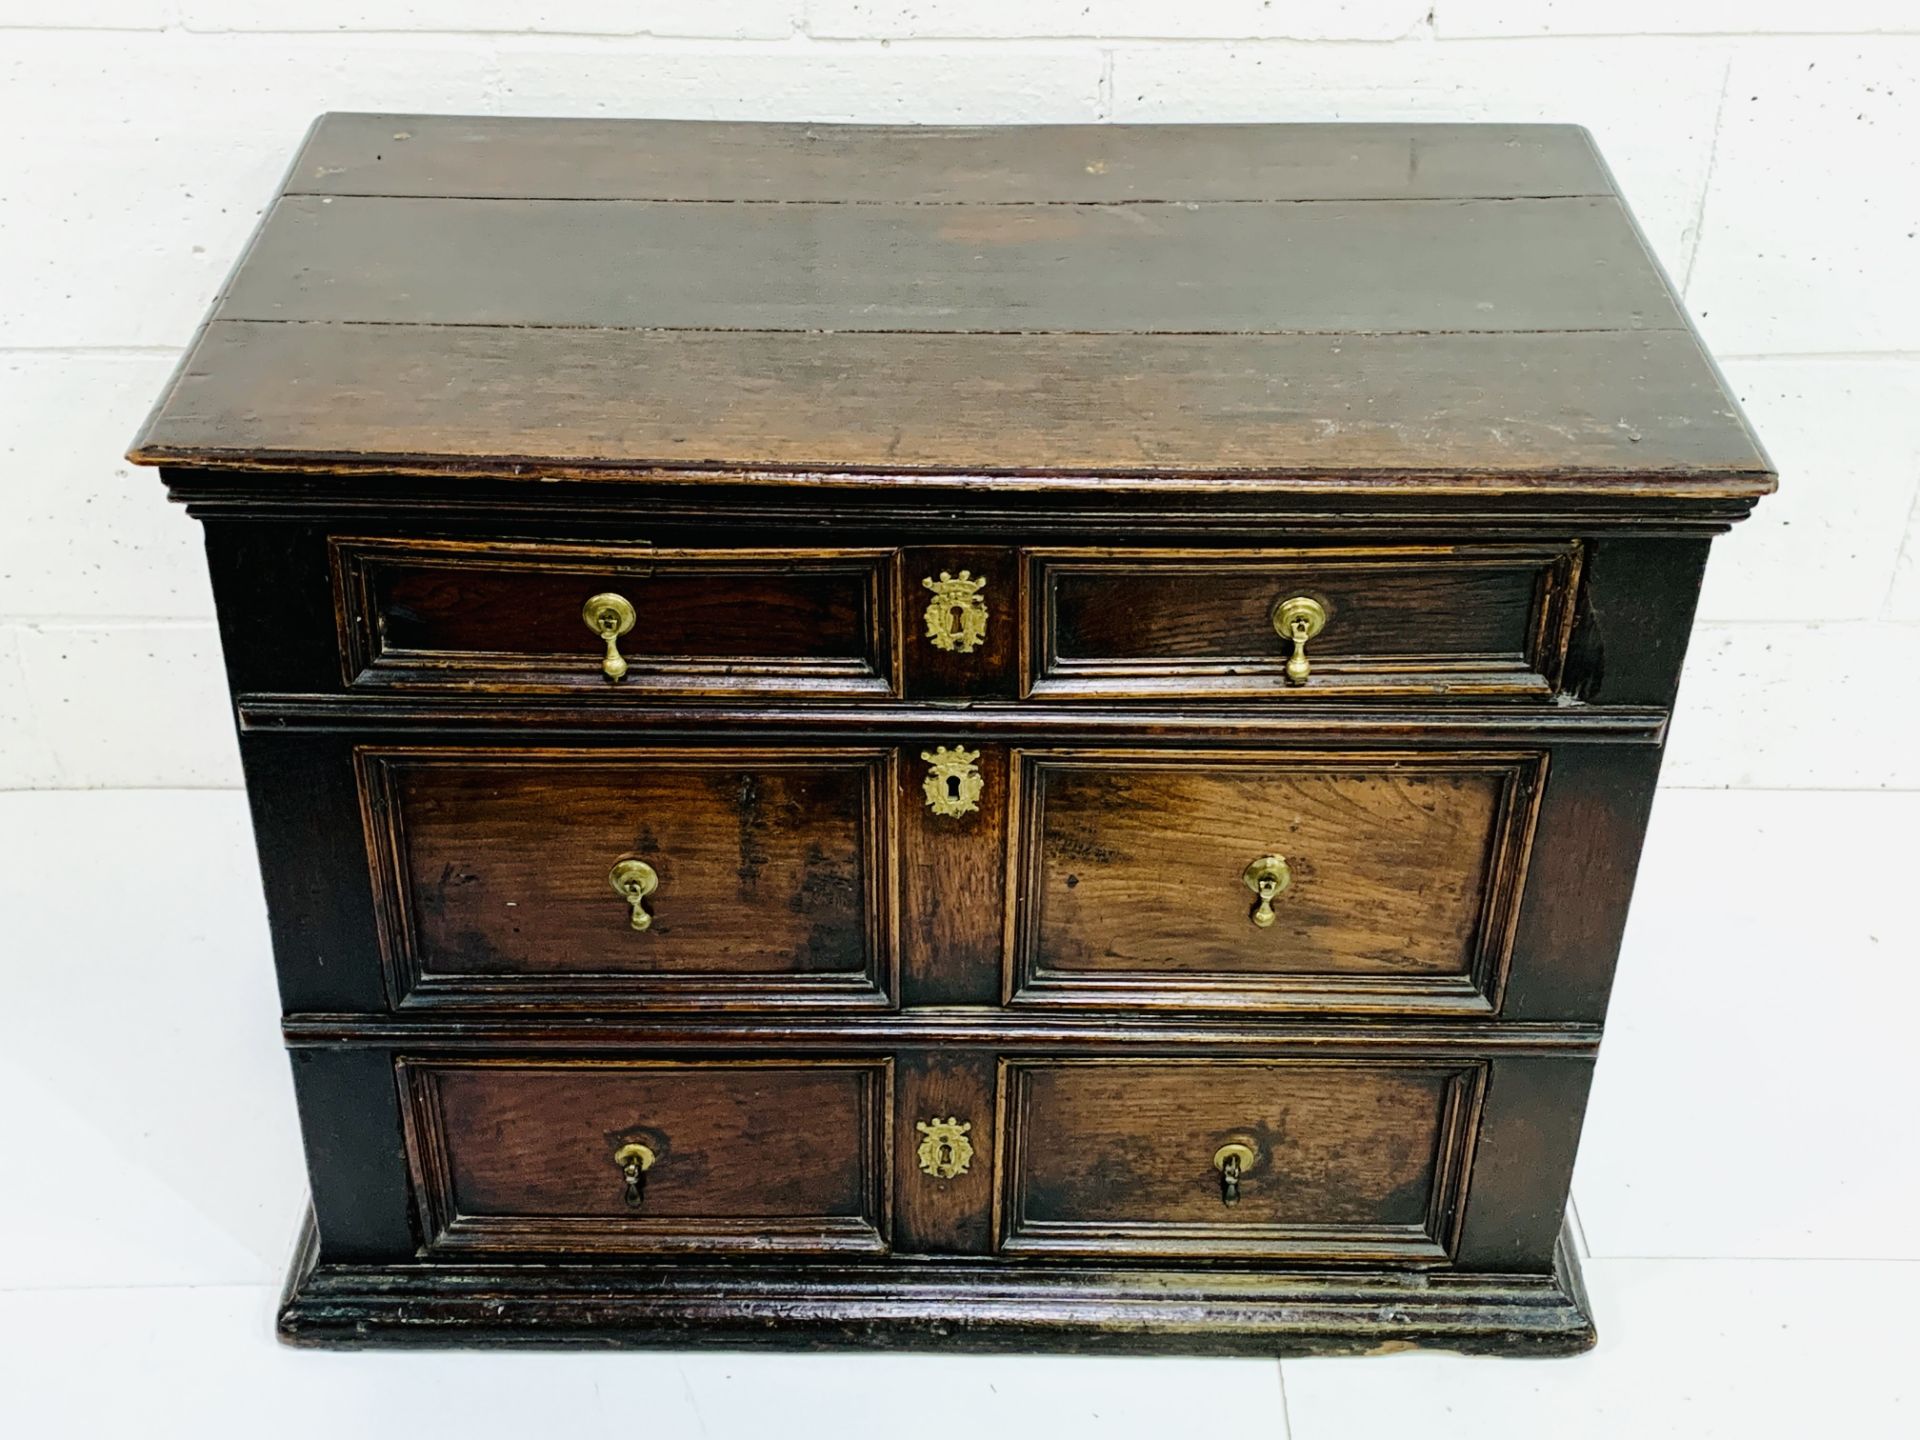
(1771, 148)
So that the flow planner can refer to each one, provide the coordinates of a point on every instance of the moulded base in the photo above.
(948, 1304)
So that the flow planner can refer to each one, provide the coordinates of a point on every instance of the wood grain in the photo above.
(517, 158)
(953, 878)
(751, 1156)
(1427, 620)
(1116, 1157)
(951, 1215)
(939, 1305)
(1582, 413)
(1332, 267)
(774, 873)
(460, 615)
(1404, 878)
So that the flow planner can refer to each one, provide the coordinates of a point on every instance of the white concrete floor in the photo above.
(1745, 1191)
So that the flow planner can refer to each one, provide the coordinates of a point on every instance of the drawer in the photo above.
(1481, 620)
(649, 1156)
(689, 878)
(455, 615)
(1394, 878)
(1267, 1159)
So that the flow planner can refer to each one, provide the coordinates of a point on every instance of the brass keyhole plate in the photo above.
(957, 614)
(953, 782)
(945, 1151)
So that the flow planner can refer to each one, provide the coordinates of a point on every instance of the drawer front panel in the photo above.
(447, 615)
(650, 1157)
(767, 875)
(1268, 1159)
(1468, 621)
(1395, 878)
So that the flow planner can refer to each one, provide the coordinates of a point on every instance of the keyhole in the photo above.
(946, 1152)
(953, 787)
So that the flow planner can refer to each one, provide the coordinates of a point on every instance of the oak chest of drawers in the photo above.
(1009, 737)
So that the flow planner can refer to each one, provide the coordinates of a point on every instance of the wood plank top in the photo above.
(1278, 304)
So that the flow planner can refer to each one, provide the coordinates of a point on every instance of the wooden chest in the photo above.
(1006, 737)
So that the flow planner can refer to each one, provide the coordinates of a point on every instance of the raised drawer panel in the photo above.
(448, 615)
(770, 873)
(646, 1157)
(1485, 620)
(1395, 878)
(1331, 1160)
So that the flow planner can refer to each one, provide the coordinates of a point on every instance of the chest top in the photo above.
(1365, 307)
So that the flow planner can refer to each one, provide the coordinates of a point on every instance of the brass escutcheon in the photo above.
(945, 1150)
(634, 1162)
(1232, 1160)
(610, 616)
(633, 881)
(953, 782)
(1266, 878)
(957, 613)
(1299, 620)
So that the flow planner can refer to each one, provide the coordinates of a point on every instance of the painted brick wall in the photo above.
(1771, 147)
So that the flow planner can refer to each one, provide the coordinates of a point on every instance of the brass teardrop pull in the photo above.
(634, 1162)
(1232, 1161)
(1266, 877)
(634, 881)
(610, 616)
(1299, 620)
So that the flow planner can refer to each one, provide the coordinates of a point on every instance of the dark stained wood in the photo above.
(1438, 621)
(350, 1122)
(424, 614)
(953, 876)
(1577, 414)
(1032, 1032)
(1112, 1157)
(951, 1215)
(305, 807)
(1500, 466)
(1635, 619)
(1404, 879)
(1486, 303)
(751, 1156)
(1523, 1165)
(773, 870)
(530, 159)
(1593, 819)
(985, 672)
(942, 1307)
(1329, 267)
(1348, 723)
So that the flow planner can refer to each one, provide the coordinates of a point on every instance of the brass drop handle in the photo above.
(1266, 878)
(610, 616)
(1299, 620)
(1232, 1161)
(634, 881)
(634, 1162)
